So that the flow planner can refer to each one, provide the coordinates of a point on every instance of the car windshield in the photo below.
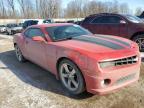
(66, 32)
(133, 19)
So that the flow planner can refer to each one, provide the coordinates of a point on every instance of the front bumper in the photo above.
(119, 77)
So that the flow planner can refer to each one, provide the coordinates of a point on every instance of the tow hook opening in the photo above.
(105, 82)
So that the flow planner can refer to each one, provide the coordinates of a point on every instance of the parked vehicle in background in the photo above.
(2, 28)
(28, 23)
(9, 27)
(70, 21)
(79, 59)
(126, 26)
(14, 28)
(78, 22)
(46, 21)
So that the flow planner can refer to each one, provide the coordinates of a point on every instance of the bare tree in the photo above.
(75, 8)
(3, 13)
(138, 11)
(22, 6)
(27, 9)
(52, 8)
(124, 8)
(37, 7)
(115, 7)
(48, 8)
(11, 4)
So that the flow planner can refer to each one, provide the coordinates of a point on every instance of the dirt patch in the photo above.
(1, 38)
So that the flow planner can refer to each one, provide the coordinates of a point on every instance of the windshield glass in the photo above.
(65, 32)
(134, 19)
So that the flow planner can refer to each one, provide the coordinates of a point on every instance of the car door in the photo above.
(100, 25)
(108, 25)
(95, 26)
(113, 25)
(116, 25)
(35, 50)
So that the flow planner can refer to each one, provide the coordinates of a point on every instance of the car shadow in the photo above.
(36, 76)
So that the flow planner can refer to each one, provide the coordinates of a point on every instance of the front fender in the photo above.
(79, 59)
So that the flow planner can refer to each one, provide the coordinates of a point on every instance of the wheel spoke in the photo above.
(18, 53)
(73, 72)
(65, 75)
(74, 82)
(69, 83)
(66, 68)
(69, 76)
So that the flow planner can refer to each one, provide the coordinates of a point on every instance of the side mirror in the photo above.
(122, 22)
(38, 38)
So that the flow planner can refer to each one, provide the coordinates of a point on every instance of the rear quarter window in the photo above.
(87, 20)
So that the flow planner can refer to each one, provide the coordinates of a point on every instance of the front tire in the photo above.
(71, 77)
(139, 39)
(19, 55)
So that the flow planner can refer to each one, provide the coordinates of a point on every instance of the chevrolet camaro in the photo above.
(82, 61)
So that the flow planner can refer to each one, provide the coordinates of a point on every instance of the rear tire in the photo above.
(139, 39)
(71, 77)
(19, 55)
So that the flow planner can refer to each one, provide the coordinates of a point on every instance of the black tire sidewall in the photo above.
(81, 87)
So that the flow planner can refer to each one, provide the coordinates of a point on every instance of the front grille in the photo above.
(125, 79)
(125, 61)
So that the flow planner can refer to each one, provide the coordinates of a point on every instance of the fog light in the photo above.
(105, 82)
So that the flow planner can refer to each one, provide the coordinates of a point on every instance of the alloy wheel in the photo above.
(69, 77)
(140, 42)
(18, 53)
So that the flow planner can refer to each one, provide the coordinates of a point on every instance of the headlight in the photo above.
(107, 64)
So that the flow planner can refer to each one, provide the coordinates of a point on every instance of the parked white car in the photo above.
(2, 28)
(14, 29)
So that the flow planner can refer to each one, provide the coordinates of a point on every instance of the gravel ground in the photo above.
(26, 85)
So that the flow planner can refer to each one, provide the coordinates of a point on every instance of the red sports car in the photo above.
(82, 61)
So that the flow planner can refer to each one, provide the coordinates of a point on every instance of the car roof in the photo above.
(51, 25)
(93, 15)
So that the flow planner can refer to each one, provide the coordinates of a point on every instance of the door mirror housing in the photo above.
(38, 38)
(122, 22)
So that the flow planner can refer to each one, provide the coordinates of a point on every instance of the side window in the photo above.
(114, 19)
(88, 19)
(32, 32)
(107, 20)
(101, 19)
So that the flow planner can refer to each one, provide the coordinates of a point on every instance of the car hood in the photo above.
(15, 28)
(139, 25)
(100, 45)
(3, 28)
